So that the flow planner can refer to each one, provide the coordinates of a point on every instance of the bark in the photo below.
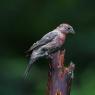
(59, 76)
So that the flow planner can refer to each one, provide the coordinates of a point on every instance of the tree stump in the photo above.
(59, 77)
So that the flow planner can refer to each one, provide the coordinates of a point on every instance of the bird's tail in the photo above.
(28, 69)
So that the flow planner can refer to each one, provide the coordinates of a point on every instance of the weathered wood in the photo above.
(59, 77)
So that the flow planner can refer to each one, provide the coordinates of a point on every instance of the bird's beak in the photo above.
(72, 31)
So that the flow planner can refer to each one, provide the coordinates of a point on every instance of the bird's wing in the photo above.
(44, 40)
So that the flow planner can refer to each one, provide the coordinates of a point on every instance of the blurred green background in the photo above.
(22, 22)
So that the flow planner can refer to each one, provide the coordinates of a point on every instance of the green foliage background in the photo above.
(22, 22)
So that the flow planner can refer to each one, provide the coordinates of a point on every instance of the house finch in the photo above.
(48, 44)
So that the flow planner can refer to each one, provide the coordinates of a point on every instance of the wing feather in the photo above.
(44, 40)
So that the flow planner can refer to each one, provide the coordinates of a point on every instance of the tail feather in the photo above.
(28, 69)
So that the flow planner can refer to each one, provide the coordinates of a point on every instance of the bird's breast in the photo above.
(61, 39)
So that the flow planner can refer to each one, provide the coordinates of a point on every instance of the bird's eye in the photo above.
(68, 28)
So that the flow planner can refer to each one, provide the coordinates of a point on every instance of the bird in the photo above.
(48, 44)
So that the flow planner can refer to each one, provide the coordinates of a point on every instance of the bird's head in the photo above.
(66, 29)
